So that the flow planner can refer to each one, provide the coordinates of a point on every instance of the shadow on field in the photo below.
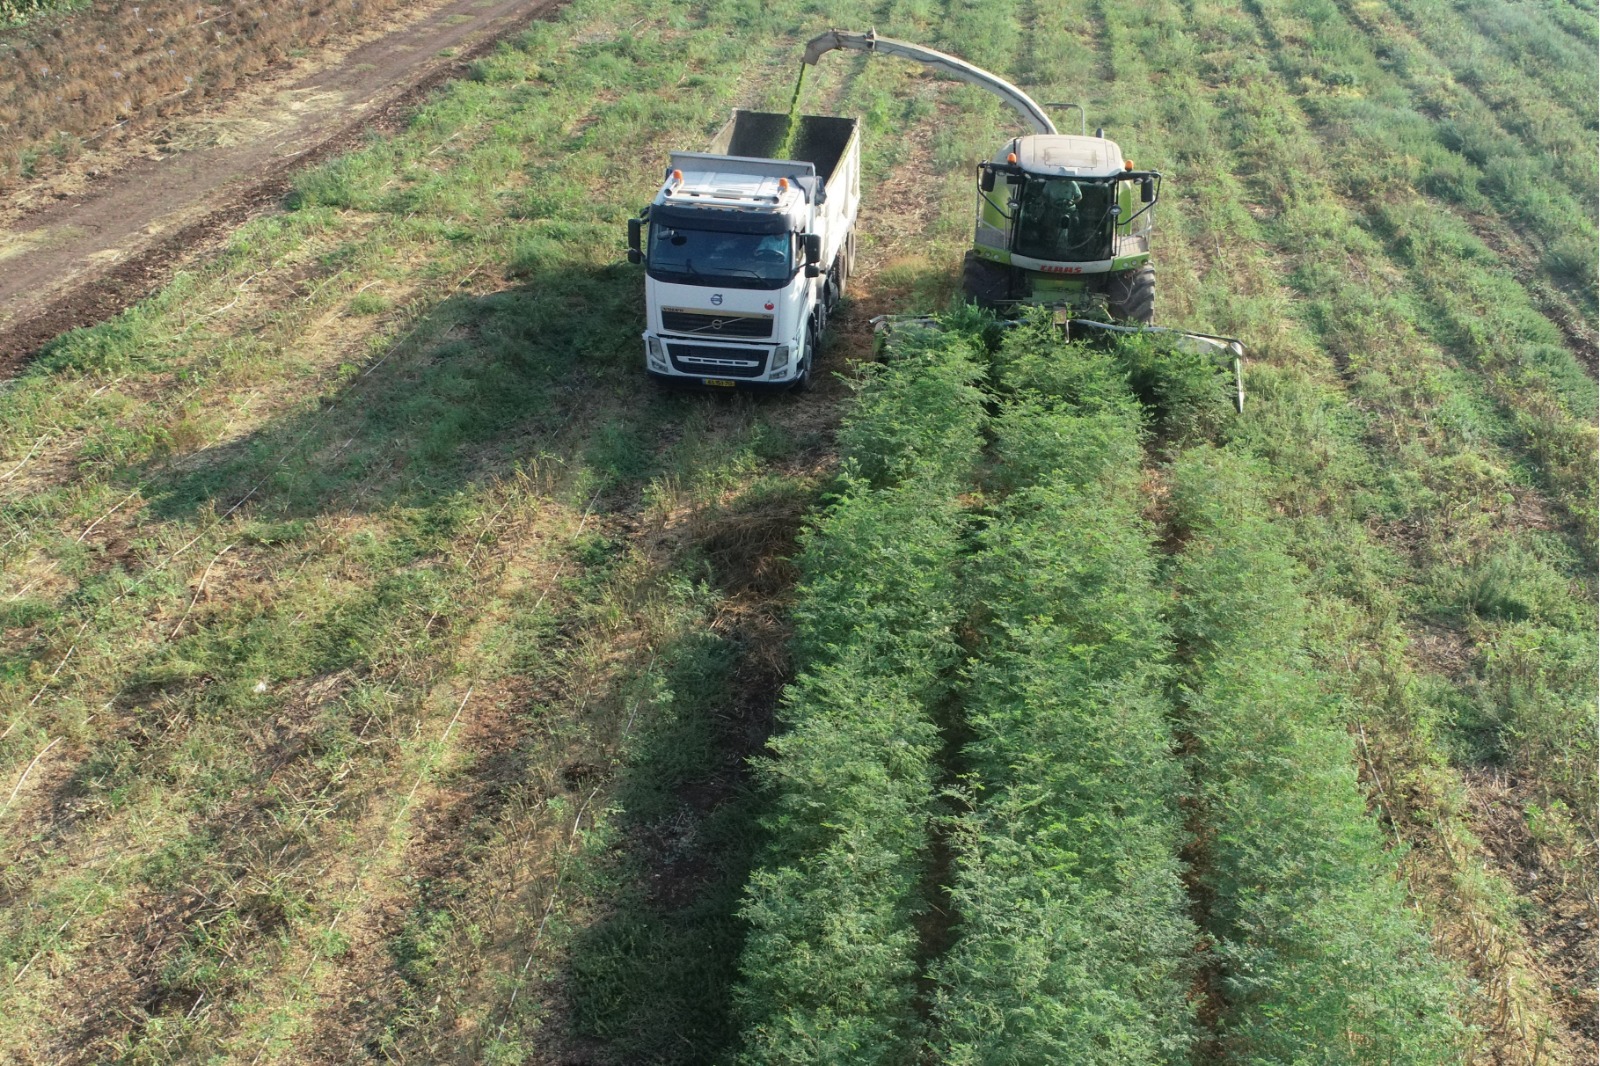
(652, 982)
(549, 371)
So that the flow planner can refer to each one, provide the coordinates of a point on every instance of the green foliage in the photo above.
(915, 410)
(1319, 958)
(830, 966)
(1537, 691)
(1073, 933)
(1191, 391)
(1087, 379)
(17, 12)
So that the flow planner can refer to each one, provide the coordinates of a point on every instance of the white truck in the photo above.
(746, 254)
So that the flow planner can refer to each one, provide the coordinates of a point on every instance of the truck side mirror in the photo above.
(813, 246)
(986, 179)
(635, 227)
(1147, 191)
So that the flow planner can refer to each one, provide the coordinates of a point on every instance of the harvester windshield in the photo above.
(1064, 219)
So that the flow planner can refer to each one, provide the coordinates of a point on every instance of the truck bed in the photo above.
(821, 141)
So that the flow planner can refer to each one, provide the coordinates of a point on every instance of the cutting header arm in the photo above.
(959, 69)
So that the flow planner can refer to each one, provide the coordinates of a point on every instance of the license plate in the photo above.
(723, 383)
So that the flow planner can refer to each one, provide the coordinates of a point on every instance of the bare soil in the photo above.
(80, 246)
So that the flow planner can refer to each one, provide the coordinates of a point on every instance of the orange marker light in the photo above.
(677, 175)
(1011, 157)
(1127, 164)
(783, 184)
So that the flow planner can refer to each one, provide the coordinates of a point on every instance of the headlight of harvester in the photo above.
(655, 355)
(780, 362)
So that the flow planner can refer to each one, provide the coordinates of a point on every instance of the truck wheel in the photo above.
(1131, 295)
(808, 356)
(989, 284)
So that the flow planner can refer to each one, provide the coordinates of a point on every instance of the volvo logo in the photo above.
(716, 299)
(716, 323)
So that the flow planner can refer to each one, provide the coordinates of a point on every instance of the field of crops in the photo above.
(390, 674)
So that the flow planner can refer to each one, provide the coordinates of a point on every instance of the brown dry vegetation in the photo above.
(86, 78)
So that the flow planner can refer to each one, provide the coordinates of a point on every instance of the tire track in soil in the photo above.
(154, 215)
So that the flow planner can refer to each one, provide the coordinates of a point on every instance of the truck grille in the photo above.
(730, 324)
(702, 360)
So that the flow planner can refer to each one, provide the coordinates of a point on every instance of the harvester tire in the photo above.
(1131, 295)
(988, 284)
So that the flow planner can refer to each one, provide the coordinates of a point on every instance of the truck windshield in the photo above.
(737, 260)
(1063, 220)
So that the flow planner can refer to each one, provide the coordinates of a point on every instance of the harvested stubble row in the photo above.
(830, 970)
(1073, 939)
(1317, 958)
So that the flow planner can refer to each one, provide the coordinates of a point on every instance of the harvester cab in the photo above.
(1063, 220)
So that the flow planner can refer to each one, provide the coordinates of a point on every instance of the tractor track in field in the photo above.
(82, 247)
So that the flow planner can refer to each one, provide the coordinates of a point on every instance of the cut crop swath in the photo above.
(1318, 958)
(829, 973)
(1072, 930)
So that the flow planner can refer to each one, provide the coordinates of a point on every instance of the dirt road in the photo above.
(81, 246)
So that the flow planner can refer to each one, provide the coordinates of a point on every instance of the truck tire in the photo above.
(1131, 295)
(843, 263)
(988, 284)
(808, 357)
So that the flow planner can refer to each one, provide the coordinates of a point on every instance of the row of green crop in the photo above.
(1074, 942)
(1318, 957)
(1396, 477)
(831, 966)
(1071, 940)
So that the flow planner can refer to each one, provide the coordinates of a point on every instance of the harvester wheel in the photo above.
(1131, 295)
(989, 284)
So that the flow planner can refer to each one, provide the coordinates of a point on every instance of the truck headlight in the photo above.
(780, 362)
(654, 354)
